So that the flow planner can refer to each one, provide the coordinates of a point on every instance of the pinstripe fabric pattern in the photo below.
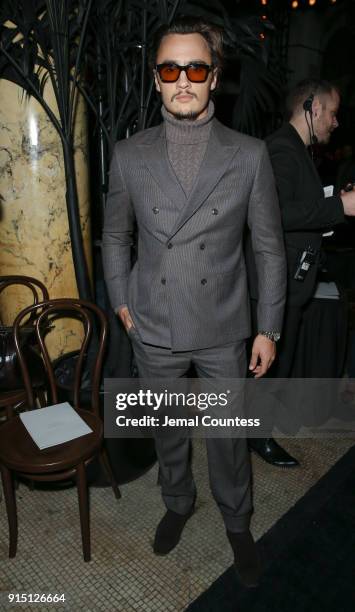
(228, 459)
(188, 288)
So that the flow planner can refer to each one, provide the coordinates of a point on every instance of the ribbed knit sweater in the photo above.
(186, 145)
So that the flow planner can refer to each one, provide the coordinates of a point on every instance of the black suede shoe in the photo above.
(269, 450)
(169, 531)
(246, 558)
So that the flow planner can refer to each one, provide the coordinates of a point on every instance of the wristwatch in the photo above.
(274, 336)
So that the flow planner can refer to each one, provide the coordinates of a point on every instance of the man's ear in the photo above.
(156, 81)
(214, 79)
(316, 107)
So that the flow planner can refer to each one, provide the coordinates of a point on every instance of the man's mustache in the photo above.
(183, 93)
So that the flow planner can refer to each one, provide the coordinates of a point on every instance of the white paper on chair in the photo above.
(328, 192)
(54, 425)
(326, 291)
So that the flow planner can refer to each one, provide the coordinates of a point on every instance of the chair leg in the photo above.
(83, 509)
(41, 397)
(9, 412)
(105, 462)
(10, 502)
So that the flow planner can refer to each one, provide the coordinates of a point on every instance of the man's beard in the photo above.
(189, 116)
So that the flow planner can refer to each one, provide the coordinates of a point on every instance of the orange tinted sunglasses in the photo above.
(195, 72)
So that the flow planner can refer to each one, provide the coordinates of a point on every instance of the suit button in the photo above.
(155, 210)
(163, 281)
(170, 246)
(214, 211)
(203, 281)
(202, 246)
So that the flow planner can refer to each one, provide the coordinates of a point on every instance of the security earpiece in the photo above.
(307, 104)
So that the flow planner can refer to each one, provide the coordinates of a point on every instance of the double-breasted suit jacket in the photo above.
(188, 287)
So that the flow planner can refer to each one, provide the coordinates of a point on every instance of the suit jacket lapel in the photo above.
(220, 151)
(155, 157)
(218, 156)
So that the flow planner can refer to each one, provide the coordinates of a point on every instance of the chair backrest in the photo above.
(39, 291)
(46, 313)
(10, 375)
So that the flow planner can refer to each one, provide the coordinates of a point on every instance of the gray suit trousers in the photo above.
(228, 458)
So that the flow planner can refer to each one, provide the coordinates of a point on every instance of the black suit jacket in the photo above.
(305, 212)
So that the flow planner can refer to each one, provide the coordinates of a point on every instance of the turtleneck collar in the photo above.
(185, 131)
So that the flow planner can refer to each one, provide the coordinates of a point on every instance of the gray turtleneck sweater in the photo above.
(186, 144)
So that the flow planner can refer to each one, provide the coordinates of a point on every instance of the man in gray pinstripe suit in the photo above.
(192, 184)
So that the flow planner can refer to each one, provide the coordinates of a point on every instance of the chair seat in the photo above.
(19, 452)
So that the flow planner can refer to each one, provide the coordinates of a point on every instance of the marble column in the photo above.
(34, 232)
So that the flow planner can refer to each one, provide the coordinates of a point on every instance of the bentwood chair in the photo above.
(12, 392)
(18, 452)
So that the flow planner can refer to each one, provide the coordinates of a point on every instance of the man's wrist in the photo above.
(271, 335)
(118, 309)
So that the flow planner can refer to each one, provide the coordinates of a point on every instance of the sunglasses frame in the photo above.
(185, 68)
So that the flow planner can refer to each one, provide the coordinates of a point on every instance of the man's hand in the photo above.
(125, 317)
(262, 356)
(348, 199)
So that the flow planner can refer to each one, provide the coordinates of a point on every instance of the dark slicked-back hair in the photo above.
(191, 25)
(302, 91)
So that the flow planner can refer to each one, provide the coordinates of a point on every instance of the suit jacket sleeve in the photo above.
(300, 213)
(267, 246)
(117, 238)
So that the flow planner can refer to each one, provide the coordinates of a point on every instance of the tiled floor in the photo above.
(124, 575)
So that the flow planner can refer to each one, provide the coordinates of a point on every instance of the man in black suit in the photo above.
(312, 110)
